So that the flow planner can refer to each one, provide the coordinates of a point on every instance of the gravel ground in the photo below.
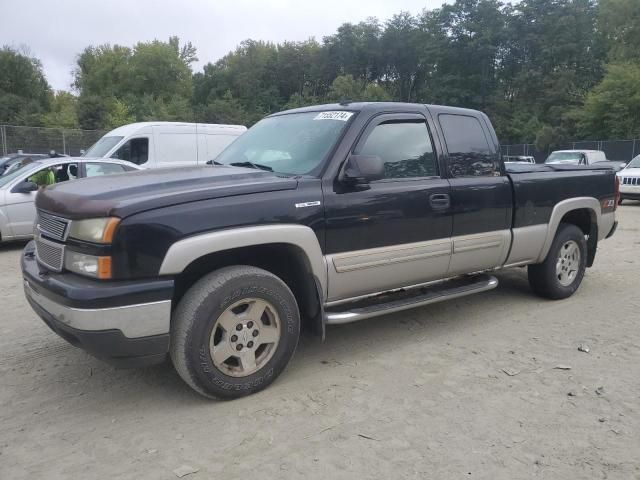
(464, 389)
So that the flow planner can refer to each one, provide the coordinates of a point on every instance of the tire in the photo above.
(561, 273)
(210, 351)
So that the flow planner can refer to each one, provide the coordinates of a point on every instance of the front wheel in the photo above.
(234, 332)
(561, 273)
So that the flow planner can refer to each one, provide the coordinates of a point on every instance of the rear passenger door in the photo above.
(396, 231)
(481, 197)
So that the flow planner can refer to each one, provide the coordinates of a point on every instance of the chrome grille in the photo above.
(50, 254)
(52, 226)
(631, 181)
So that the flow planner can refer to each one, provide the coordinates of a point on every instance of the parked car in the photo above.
(18, 188)
(165, 144)
(8, 160)
(518, 159)
(317, 216)
(616, 165)
(630, 180)
(582, 157)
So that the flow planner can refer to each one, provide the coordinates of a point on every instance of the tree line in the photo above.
(546, 71)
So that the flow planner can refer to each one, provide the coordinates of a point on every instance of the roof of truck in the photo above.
(581, 150)
(375, 106)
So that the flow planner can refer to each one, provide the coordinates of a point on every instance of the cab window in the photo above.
(404, 147)
(135, 150)
(469, 152)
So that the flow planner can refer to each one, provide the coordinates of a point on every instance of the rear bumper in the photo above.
(123, 323)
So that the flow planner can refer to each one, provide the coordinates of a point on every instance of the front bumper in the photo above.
(125, 323)
(630, 192)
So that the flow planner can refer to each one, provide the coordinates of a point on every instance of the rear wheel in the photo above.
(234, 332)
(561, 273)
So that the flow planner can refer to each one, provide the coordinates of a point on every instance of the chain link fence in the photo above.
(43, 140)
(620, 150)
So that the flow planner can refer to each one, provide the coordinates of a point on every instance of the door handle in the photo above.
(440, 201)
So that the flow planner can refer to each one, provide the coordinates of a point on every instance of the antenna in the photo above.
(344, 101)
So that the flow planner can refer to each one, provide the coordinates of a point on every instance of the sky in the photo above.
(57, 31)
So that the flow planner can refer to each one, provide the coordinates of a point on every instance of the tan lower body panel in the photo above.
(365, 271)
(527, 244)
(362, 272)
(482, 251)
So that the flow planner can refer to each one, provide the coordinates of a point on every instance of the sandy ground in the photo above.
(420, 394)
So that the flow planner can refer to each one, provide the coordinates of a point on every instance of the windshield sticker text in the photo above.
(342, 116)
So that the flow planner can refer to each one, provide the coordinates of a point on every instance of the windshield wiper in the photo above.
(252, 165)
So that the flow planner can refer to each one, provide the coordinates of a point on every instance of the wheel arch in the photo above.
(291, 252)
(585, 213)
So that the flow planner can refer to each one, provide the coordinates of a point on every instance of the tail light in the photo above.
(617, 192)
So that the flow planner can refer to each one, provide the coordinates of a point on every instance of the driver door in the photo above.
(396, 231)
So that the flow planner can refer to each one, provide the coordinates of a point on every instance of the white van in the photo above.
(165, 144)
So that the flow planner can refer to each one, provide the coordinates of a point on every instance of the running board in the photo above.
(404, 299)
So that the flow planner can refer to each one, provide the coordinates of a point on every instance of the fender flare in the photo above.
(564, 207)
(184, 252)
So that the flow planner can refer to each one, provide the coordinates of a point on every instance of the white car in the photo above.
(576, 157)
(518, 159)
(166, 144)
(630, 180)
(18, 191)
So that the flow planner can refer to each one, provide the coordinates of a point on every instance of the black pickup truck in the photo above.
(315, 216)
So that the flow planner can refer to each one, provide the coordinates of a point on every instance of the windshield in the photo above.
(635, 163)
(574, 158)
(294, 144)
(17, 171)
(102, 146)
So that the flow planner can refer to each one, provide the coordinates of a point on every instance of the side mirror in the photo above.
(209, 162)
(363, 169)
(25, 187)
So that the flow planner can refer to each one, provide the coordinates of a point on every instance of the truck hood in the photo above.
(124, 194)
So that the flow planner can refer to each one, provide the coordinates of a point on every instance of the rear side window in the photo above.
(469, 151)
(405, 149)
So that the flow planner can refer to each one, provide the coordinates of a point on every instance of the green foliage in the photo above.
(611, 109)
(63, 111)
(619, 22)
(118, 114)
(151, 81)
(24, 92)
(345, 87)
(92, 112)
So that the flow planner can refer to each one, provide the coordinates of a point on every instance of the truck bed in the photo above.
(537, 189)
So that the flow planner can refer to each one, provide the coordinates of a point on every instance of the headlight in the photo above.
(96, 230)
(90, 265)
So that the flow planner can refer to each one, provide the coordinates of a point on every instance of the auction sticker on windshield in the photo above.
(342, 116)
